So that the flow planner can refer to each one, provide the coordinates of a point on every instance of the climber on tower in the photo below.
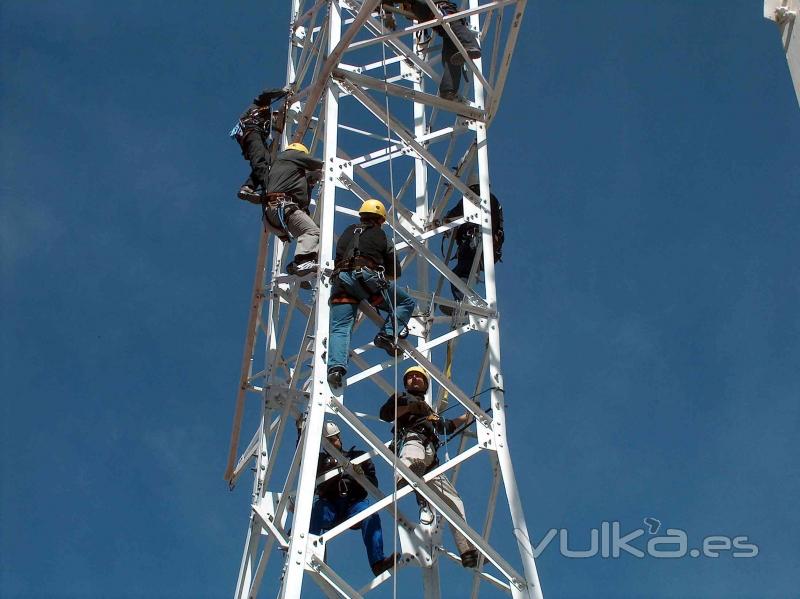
(342, 496)
(418, 428)
(468, 239)
(288, 197)
(252, 134)
(365, 258)
(452, 59)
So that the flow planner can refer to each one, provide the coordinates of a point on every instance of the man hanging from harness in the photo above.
(252, 133)
(365, 257)
(418, 429)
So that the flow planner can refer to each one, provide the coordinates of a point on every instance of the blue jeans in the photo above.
(343, 316)
(326, 514)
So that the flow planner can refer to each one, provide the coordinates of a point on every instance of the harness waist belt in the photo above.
(356, 263)
(275, 198)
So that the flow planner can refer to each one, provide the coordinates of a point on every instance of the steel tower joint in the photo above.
(341, 171)
(781, 11)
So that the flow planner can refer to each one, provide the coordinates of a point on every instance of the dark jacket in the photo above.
(423, 13)
(373, 244)
(344, 486)
(288, 175)
(463, 232)
(417, 423)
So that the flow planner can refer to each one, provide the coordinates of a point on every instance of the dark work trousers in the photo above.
(464, 258)
(256, 152)
(451, 74)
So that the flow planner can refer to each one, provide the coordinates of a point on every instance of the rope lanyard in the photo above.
(393, 314)
(282, 218)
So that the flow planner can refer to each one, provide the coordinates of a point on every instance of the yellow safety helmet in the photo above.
(421, 371)
(297, 146)
(373, 207)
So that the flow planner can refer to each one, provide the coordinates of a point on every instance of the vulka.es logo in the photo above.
(609, 542)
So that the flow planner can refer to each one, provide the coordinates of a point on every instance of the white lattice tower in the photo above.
(786, 14)
(365, 99)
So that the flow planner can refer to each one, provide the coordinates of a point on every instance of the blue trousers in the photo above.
(343, 316)
(326, 514)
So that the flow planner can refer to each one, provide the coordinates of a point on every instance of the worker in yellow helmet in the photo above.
(365, 258)
(288, 197)
(418, 428)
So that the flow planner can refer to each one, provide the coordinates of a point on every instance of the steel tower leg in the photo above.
(312, 433)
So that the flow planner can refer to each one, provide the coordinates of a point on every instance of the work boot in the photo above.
(469, 559)
(335, 376)
(386, 343)
(457, 59)
(381, 566)
(249, 194)
(451, 95)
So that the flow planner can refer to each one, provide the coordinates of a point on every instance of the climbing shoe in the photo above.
(425, 514)
(469, 559)
(249, 194)
(386, 343)
(381, 566)
(301, 269)
(457, 59)
(335, 376)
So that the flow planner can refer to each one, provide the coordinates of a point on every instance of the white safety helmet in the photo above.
(329, 429)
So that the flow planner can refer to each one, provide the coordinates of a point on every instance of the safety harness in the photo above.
(360, 266)
(284, 205)
(342, 486)
(354, 263)
(257, 119)
(420, 424)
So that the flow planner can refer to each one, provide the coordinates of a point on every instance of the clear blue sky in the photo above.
(649, 290)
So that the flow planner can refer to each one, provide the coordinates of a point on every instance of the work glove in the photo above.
(419, 408)
(447, 7)
(268, 96)
(313, 177)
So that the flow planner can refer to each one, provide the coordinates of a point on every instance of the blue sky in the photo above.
(647, 158)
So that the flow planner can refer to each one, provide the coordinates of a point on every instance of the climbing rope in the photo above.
(392, 306)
